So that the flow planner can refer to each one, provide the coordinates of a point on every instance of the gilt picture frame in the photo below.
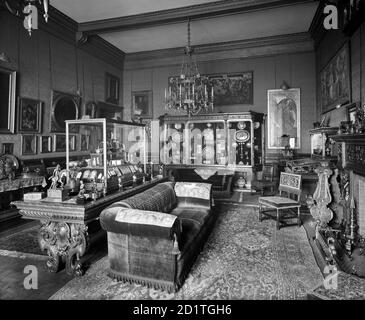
(283, 117)
(112, 88)
(7, 100)
(142, 104)
(335, 86)
(29, 115)
(45, 144)
(233, 89)
(28, 144)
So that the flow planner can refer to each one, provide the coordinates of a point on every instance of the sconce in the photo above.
(28, 10)
(284, 86)
(4, 57)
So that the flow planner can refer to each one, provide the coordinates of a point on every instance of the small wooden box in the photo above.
(33, 196)
(57, 194)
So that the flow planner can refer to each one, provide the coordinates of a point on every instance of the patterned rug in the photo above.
(242, 259)
(24, 240)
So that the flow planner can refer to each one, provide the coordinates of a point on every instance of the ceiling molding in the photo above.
(268, 46)
(176, 15)
(63, 27)
(316, 29)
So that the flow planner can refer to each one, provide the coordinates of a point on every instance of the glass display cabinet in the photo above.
(113, 155)
(224, 142)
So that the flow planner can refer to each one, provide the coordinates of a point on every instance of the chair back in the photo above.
(267, 172)
(290, 183)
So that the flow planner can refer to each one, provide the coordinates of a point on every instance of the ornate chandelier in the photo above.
(190, 92)
(28, 9)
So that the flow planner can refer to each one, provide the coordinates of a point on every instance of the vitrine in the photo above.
(224, 142)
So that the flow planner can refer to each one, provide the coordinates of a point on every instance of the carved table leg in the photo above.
(64, 242)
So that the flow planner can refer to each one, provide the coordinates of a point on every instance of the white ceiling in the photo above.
(249, 25)
(265, 23)
(90, 10)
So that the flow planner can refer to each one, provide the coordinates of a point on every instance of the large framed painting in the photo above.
(29, 115)
(142, 104)
(7, 100)
(230, 89)
(335, 80)
(283, 117)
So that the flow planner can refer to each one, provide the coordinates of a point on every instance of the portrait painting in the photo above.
(84, 142)
(29, 144)
(89, 110)
(283, 117)
(29, 115)
(142, 103)
(335, 81)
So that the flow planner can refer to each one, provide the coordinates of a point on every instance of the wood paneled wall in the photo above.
(45, 62)
(297, 69)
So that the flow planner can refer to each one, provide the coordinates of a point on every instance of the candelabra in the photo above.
(190, 92)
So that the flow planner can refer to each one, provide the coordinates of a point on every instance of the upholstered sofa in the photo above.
(155, 236)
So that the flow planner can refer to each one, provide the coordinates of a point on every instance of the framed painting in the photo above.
(352, 111)
(7, 100)
(45, 144)
(89, 111)
(29, 115)
(72, 142)
(283, 117)
(231, 89)
(84, 142)
(29, 144)
(7, 148)
(59, 143)
(112, 85)
(335, 80)
(142, 104)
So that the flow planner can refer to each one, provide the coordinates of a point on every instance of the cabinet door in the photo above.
(240, 142)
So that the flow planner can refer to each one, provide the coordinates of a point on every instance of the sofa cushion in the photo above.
(199, 215)
(192, 194)
(159, 198)
(140, 222)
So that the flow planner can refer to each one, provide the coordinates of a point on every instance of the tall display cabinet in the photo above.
(214, 144)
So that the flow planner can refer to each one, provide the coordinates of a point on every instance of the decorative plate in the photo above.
(241, 125)
(176, 137)
(208, 152)
(86, 174)
(242, 136)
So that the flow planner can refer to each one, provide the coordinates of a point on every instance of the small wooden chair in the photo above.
(290, 184)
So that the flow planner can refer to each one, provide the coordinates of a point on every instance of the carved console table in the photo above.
(69, 229)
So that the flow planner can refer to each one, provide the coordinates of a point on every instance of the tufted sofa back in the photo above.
(160, 198)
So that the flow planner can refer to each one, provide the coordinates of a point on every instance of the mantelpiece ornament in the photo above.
(64, 242)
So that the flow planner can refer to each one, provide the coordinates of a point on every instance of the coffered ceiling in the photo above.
(146, 25)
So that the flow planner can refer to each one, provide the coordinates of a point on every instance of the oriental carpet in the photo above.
(242, 259)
